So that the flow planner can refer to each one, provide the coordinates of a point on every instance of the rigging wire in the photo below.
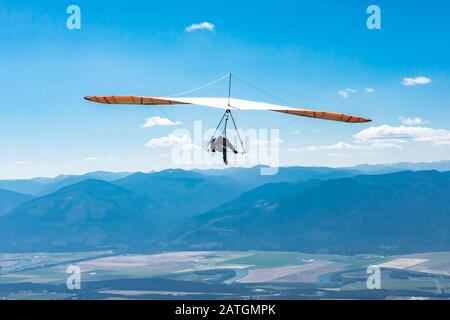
(190, 91)
(272, 96)
(167, 116)
(229, 76)
(226, 116)
(201, 87)
(239, 136)
(217, 129)
(262, 91)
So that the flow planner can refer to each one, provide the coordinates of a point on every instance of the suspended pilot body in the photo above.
(222, 144)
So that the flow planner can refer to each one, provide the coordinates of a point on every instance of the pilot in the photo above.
(222, 144)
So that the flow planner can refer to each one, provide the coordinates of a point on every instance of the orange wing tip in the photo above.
(132, 100)
(327, 116)
(362, 120)
(95, 99)
(115, 99)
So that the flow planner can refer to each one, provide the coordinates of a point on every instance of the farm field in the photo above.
(223, 274)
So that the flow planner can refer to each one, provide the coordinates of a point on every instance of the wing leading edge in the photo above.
(225, 103)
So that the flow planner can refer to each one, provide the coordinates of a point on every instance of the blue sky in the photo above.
(313, 54)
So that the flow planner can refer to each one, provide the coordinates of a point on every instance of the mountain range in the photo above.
(389, 213)
(130, 213)
(376, 209)
(255, 176)
(43, 186)
(86, 215)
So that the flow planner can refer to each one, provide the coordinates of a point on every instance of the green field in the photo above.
(212, 275)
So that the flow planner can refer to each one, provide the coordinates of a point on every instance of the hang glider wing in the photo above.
(225, 103)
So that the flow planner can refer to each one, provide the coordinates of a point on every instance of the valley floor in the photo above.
(218, 275)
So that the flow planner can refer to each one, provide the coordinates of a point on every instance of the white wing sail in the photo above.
(225, 103)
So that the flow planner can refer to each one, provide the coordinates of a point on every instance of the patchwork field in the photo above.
(307, 272)
(213, 274)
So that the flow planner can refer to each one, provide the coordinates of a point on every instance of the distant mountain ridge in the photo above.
(254, 176)
(391, 213)
(132, 213)
(301, 209)
(89, 214)
(442, 166)
(186, 192)
(251, 177)
(43, 186)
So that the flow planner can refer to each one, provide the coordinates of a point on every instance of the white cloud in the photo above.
(296, 132)
(343, 146)
(416, 121)
(168, 141)
(112, 158)
(90, 159)
(403, 134)
(346, 92)
(200, 26)
(158, 121)
(416, 81)
(336, 155)
(336, 146)
(20, 162)
(383, 137)
(369, 90)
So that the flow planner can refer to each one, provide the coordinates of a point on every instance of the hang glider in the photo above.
(220, 143)
(226, 104)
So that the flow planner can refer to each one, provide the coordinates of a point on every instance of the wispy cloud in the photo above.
(336, 146)
(336, 155)
(90, 159)
(200, 26)
(158, 121)
(345, 93)
(409, 82)
(416, 121)
(344, 146)
(20, 162)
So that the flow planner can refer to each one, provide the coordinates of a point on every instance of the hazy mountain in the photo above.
(186, 192)
(402, 166)
(9, 200)
(130, 214)
(440, 166)
(391, 213)
(88, 215)
(376, 169)
(177, 209)
(42, 186)
(254, 177)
